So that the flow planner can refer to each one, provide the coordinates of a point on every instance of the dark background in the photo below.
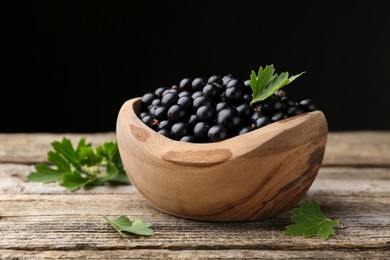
(69, 66)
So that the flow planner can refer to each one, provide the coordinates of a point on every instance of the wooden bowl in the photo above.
(248, 177)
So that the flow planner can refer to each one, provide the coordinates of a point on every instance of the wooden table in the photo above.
(46, 221)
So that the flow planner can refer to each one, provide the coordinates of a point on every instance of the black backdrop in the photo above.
(69, 66)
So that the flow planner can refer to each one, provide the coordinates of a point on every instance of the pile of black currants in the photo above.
(203, 111)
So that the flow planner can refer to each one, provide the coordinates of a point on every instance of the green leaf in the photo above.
(84, 167)
(44, 174)
(87, 156)
(59, 161)
(123, 223)
(310, 221)
(65, 148)
(140, 227)
(266, 83)
(74, 181)
(111, 172)
(111, 152)
(120, 178)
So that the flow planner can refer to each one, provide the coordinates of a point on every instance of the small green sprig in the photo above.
(81, 167)
(266, 83)
(124, 224)
(309, 221)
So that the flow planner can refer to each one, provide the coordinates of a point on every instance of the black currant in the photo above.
(178, 130)
(234, 94)
(210, 90)
(160, 113)
(185, 84)
(163, 132)
(307, 105)
(185, 102)
(176, 113)
(169, 99)
(217, 133)
(245, 110)
(164, 124)
(278, 116)
(205, 113)
(200, 130)
(159, 91)
(147, 99)
(201, 101)
(198, 84)
(244, 130)
(235, 83)
(262, 121)
(188, 138)
(229, 118)
(214, 79)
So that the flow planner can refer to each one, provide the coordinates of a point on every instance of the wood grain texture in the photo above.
(61, 222)
(14, 181)
(330, 180)
(32, 148)
(363, 148)
(248, 177)
(194, 254)
(45, 221)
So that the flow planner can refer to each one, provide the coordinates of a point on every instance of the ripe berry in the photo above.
(179, 130)
(169, 99)
(234, 94)
(235, 83)
(201, 101)
(244, 110)
(262, 121)
(278, 116)
(148, 120)
(158, 92)
(184, 94)
(188, 138)
(156, 102)
(185, 102)
(307, 105)
(176, 113)
(200, 130)
(185, 84)
(163, 132)
(147, 99)
(161, 113)
(226, 79)
(193, 120)
(221, 105)
(214, 79)
(164, 125)
(229, 118)
(217, 133)
(205, 113)
(198, 84)
(244, 130)
(210, 90)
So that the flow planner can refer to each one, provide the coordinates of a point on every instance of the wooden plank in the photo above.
(330, 180)
(46, 221)
(32, 148)
(364, 148)
(14, 181)
(63, 222)
(194, 254)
